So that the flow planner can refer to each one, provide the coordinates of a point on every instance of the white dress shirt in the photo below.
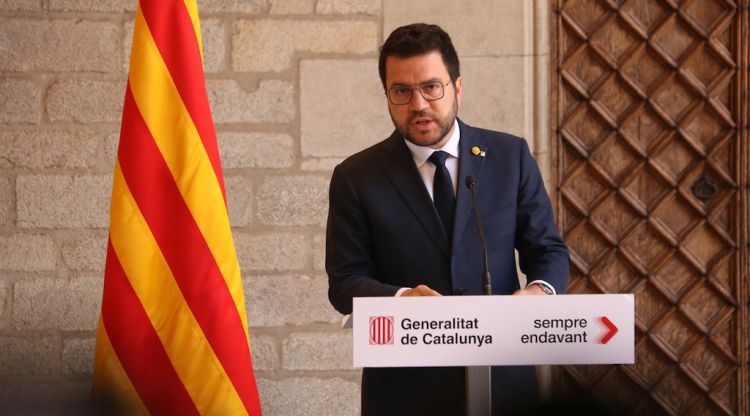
(420, 154)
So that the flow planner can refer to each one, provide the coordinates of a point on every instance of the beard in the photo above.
(444, 124)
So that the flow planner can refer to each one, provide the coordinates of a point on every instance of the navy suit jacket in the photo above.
(384, 233)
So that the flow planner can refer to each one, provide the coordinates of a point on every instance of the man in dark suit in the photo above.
(400, 220)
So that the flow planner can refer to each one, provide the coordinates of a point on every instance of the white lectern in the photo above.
(481, 331)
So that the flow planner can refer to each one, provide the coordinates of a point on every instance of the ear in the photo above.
(458, 85)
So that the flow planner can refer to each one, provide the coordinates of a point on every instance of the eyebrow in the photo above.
(436, 79)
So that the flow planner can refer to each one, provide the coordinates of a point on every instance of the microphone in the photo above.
(471, 183)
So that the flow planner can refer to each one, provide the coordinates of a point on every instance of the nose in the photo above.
(417, 102)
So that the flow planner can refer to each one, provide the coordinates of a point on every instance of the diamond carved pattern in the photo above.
(706, 362)
(676, 214)
(650, 362)
(570, 101)
(724, 333)
(676, 276)
(587, 127)
(569, 40)
(587, 243)
(722, 155)
(705, 245)
(648, 107)
(723, 395)
(674, 99)
(722, 218)
(674, 38)
(585, 186)
(585, 13)
(706, 13)
(704, 304)
(571, 160)
(704, 66)
(613, 38)
(650, 304)
(646, 187)
(614, 157)
(677, 157)
(723, 97)
(588, 372)
(579, 283)
(615, 215)
(645, 68)
(724, 38)
(648, 13)
(644, 244)
(705, 407)
(706, 127)
(572, 218)
(677, 332)
(643, 128)
(721, 275)
(586, 68)
(676, 392)
(615, 275)
(614, 97)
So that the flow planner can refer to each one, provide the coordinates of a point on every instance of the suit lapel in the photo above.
(400, 169)
(469, 165)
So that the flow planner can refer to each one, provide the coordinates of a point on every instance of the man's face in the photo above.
(422, 122)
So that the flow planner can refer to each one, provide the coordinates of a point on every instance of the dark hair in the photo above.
(419, 39)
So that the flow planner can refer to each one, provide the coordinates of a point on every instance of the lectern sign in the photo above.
(493, 330)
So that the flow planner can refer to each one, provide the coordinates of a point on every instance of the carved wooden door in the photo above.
(650, 117)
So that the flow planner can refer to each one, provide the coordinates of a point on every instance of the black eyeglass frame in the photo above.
(419, 88)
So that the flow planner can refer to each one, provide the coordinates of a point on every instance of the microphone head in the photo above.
(471, 182)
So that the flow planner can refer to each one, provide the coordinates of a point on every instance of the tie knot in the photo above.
(438, 157)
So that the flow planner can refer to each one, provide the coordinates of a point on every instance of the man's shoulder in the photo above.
(368, 157)
(492, 138)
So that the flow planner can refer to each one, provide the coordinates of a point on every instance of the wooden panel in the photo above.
(650, 116)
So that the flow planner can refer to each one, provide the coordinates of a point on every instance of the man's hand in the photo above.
(532, 290)
(421, 290)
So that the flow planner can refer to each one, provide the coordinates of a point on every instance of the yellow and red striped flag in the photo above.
(172, 336)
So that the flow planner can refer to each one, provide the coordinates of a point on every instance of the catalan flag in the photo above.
(172, 337)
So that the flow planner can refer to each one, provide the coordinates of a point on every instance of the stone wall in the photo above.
(294, 89)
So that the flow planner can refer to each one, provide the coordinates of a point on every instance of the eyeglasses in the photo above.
(431, 90)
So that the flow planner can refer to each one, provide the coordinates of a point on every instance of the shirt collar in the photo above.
(420, 154)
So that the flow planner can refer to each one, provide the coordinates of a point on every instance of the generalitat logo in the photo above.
(381, 330)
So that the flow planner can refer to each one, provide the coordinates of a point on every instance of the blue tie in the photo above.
(442, 191)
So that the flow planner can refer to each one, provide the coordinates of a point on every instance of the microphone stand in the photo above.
(479, 378)
(471, 183)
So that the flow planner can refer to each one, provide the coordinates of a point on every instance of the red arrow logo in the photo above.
(610, 328)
